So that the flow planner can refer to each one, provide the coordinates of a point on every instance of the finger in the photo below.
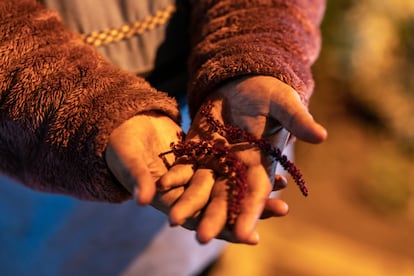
(145, 189)
(253, 204)
(226, 234)
(133, 173)
(164, 200)
(289, 110)
(280, 182)
(178, 175)
(194, 198)
(215, 215)
(274, 207)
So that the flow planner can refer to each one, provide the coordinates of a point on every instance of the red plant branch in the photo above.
(230, 166)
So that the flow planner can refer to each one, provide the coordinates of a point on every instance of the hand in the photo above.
(262, 106)
(133, 153)
(133, 156)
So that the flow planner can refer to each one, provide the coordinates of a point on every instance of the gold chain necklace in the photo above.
(127, 31)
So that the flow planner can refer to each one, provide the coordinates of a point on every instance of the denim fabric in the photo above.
(45, 234)
(48, 235)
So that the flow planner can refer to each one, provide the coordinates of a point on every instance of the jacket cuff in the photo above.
(235, 38)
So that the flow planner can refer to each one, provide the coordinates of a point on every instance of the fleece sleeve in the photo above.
(231, 38)
(59, 102)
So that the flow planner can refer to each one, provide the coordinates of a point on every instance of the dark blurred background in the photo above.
(359, 216)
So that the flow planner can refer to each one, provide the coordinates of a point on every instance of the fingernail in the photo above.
(285, 208)
(175, 222)
(172, 222)
(254, 239)
(201, 240)
(322, 133)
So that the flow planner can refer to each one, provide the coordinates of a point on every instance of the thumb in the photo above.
(132, 173)
(289, 110)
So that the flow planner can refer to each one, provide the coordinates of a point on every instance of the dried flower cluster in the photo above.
(229, 166)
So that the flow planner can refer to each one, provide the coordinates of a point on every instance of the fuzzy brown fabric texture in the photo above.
(59, 102)
(231, 38)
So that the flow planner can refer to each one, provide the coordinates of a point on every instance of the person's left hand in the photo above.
(264, 107)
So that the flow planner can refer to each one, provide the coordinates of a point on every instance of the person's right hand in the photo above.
(133, 153)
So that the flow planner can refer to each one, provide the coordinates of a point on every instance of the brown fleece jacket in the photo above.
(59, 100)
